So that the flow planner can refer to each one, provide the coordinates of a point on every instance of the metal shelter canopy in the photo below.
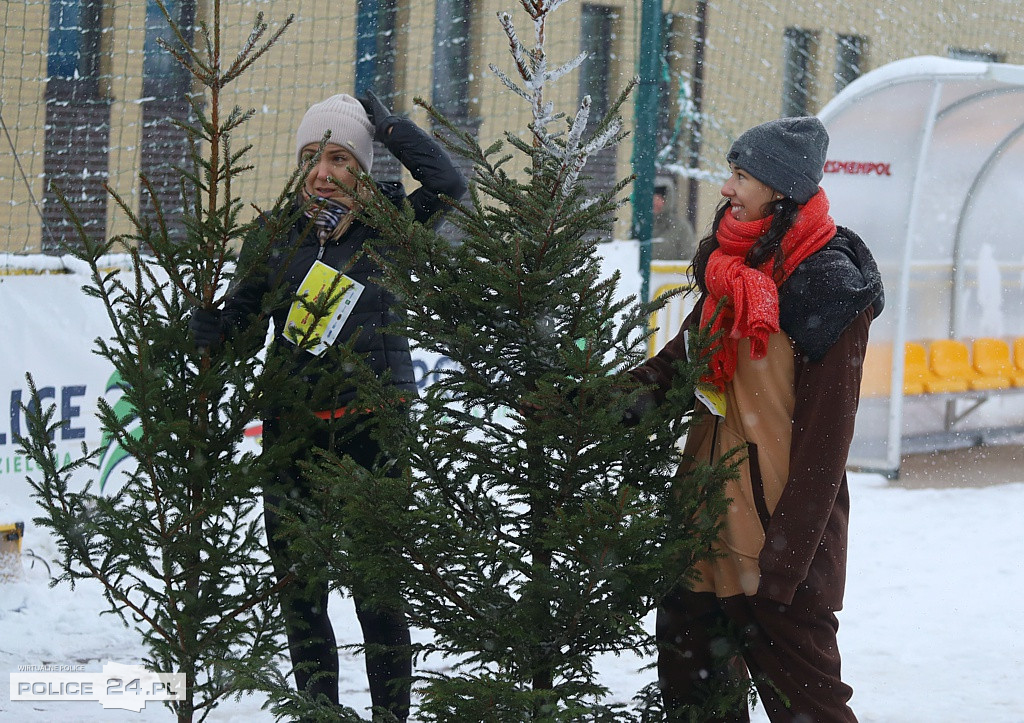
(925, 163)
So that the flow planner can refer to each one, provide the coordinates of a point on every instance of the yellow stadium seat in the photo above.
(950, 359)
(919, 379)
(991, 358)
(915, 368)
(1018, 352)
(877, 378)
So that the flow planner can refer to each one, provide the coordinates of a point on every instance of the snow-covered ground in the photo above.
(932, 631)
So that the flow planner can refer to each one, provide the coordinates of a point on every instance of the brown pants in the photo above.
(790, 652)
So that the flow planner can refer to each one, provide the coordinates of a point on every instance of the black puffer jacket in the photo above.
(290, 260)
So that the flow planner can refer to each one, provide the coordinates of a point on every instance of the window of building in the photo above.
(165, 90)
(376, 48)
(452, 87)
(162, 75)
(675, 40)
(74, 39)
(597, 39)
(77, 136)
(849, 59)
(376, 68)
(452, 54)
(798, 45)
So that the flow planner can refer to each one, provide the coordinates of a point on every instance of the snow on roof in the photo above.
(924, 68)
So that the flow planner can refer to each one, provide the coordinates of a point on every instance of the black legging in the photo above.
(311, 640)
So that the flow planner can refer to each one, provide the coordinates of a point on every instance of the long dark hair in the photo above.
(769, 246)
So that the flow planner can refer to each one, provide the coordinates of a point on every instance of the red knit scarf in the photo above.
(752, 295)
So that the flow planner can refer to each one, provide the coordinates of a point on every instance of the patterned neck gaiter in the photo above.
(326, 215)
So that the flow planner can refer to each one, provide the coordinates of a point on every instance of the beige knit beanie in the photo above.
(345, 117)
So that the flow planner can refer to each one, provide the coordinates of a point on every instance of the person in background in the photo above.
(798, 295)
(329, 232)
(672, 236)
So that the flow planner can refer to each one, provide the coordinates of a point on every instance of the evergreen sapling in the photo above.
(534, 529)
(177, 543)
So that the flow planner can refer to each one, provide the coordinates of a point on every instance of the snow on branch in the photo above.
(531, 64)
(603, 139)
(680, 170)
(519, 53)
(579, 125)
(578, 157)
(510, 84)
(568, 67)
(538, 8)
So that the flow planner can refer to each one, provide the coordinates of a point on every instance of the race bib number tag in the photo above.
(320, 281)
(711, 397)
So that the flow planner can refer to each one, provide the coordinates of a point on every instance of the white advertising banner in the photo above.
(49, 326)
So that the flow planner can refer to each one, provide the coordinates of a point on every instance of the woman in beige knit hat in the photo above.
(327, 234)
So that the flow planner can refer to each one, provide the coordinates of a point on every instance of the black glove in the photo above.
(641, 406)
(379, 115)
(207, 328)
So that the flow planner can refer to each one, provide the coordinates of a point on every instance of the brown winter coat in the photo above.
(792, 416)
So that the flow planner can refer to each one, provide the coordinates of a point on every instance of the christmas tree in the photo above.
(178, 546)
(534, 527)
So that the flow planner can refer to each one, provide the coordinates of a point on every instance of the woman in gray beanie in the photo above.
(328, 234)
(796, 296)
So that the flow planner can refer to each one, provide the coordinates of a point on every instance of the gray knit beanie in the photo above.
(346, 119)
(787, 154)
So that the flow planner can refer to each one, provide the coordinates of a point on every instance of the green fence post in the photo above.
(645, 136)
